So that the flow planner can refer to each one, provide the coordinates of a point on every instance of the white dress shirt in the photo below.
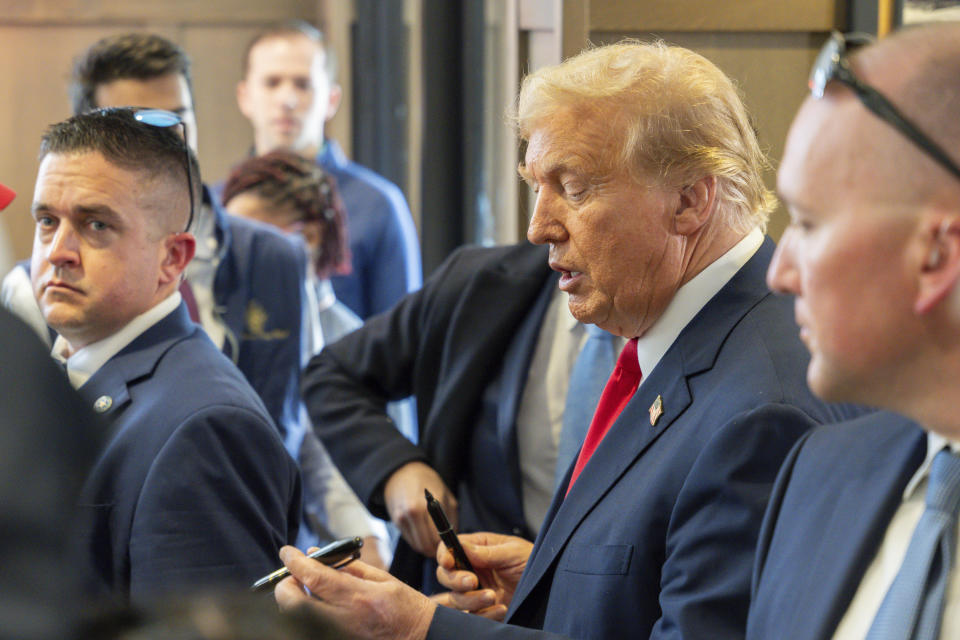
(690, 299)
(85, 362)
(886, 563)
(540, 414)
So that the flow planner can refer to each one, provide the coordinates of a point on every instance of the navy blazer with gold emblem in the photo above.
(259, 289)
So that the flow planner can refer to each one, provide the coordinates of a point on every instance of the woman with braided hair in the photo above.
(287, 191)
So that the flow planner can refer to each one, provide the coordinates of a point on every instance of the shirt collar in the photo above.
(326, 297)
(331, 155)
(691, 298)
(83, 364)
(205, 231)
(935, 443)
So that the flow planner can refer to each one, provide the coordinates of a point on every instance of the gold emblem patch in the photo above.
(256, 321)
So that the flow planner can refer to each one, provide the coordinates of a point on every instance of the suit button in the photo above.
(103, 404)
(517, 531)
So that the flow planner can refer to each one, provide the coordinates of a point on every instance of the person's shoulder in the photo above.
(355, 171)
(365, 191)
(199, 375)
(876, 430)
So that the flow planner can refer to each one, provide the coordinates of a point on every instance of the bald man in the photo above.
(870, 175)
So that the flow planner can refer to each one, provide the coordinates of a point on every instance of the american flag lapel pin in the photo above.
(656, 410)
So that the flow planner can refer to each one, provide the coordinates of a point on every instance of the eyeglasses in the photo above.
(162, 118)
(832, 64)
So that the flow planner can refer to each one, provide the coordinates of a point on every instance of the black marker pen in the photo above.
(447, 533)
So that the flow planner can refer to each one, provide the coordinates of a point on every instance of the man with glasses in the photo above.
(194, 487)
(245, 284)
(240, 272)
(860, 540)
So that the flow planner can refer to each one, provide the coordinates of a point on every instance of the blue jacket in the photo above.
(385, 252)
(656, 538)
(259, 292)
(834, 499)
(194, 488)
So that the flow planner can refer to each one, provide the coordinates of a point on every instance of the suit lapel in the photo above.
(513, 376)
(632, 432)
(852, 532)
(477, 342)
(694, 351)
(107, 391)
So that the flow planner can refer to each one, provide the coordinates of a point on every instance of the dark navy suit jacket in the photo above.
(259, 291)
(462, 346)
(656, 538)
(828, 514)
(194, 487)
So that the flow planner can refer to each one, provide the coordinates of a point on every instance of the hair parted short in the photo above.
(138, 56)
(676, 117)
(283, 178)
(289, 29)
(126, 142)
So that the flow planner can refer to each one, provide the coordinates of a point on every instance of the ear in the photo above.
(333, 104)
(940, 270)
(696, 205)
(243, 98)
(179, 249)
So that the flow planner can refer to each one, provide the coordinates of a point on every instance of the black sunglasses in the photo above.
(832, 64)
(163, 118)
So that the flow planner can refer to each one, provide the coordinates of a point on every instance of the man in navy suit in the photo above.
(873, 258)
(649, 195)
(246, 280)
(194, 487)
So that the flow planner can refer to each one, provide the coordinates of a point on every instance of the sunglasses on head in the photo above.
(833, 64)
(162, 119)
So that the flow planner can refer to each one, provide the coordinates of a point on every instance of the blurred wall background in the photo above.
(426, 83)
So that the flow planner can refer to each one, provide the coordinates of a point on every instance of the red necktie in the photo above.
(187, 292)
(620, 388)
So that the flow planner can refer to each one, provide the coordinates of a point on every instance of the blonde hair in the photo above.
(677, 119)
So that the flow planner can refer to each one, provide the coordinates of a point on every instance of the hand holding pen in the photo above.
(498, 561)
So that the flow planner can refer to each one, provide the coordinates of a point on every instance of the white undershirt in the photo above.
(201, 273)
(87, 361)
(544, 396)
(886, 563)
